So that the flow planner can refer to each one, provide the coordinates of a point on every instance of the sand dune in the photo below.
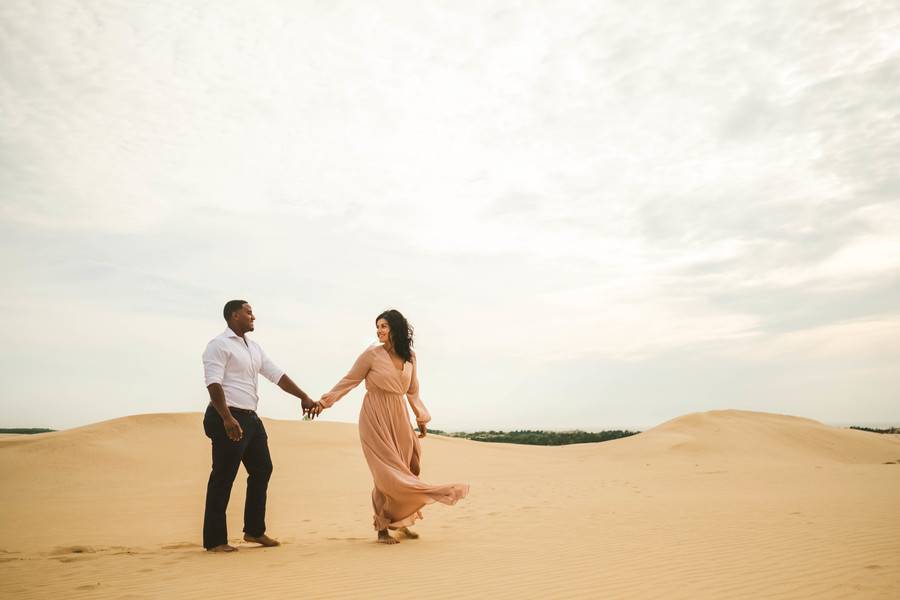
(733, 435)
(726, 504)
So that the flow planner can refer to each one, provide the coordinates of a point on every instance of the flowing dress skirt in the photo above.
(392, 450)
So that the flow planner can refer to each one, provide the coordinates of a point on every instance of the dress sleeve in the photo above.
(412, 396)
(356, 374)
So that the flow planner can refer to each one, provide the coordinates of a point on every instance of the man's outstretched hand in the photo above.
(311, 408)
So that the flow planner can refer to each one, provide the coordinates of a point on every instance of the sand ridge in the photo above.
(725, 504)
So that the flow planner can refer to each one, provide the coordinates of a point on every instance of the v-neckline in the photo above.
(401, 369)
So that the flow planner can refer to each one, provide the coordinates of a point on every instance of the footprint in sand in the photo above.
(8, 555)
(73, 550)
(89, 586)
(74, 553)
(180, 546)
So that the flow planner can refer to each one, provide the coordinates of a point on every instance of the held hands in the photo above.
(423, 429)
(311, 409)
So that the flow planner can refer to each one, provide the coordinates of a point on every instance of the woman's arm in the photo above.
(415, 402)
(354, 376)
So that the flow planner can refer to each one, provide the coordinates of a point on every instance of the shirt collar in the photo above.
(228, 333)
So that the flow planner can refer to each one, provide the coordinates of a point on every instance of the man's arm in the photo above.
(217, 399)
(270, 371)
(215, 357)
(310, 407)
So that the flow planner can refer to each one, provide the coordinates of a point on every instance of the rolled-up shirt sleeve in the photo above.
(268, 369)
(214, 359)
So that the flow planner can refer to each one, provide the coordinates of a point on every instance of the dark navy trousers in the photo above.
(253, 451)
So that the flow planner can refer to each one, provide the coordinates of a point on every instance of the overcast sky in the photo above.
(596, 214)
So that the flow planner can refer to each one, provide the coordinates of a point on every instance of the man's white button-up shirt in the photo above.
(234, 364)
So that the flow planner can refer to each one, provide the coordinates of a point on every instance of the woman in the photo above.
(388, 440)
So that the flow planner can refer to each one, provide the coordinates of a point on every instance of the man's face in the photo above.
(242, 320)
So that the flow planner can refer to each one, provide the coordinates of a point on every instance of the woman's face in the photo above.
(383, 330)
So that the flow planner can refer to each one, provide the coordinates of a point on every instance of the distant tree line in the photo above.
(26, 430)
(872, 430)
(536, 437)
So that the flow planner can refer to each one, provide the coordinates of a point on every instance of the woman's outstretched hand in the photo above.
(423, 429)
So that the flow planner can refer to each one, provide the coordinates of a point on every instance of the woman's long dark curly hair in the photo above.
(401, 333)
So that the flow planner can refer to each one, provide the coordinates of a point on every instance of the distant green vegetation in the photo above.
(871, 430)
(26, 430)
(538, 437)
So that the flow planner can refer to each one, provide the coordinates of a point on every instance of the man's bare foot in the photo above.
(408, 533)
(263, 540)
(222, 548)
(385, 538)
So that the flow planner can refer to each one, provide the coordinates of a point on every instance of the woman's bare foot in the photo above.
(222, 548)
(385, 538)
(263, 540)
(408, 533)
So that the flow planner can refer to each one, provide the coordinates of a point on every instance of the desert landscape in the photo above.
(722, 504)
(680, 218)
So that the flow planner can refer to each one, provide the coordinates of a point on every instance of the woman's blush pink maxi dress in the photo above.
(388, 441)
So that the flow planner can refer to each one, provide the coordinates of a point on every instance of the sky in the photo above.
(595, 214)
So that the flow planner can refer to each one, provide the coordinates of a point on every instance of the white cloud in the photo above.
(876, 340)
(537, 184)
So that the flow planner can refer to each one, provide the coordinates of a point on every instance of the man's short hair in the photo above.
(231, 307)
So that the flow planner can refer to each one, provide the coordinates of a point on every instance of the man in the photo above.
(231, 363)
